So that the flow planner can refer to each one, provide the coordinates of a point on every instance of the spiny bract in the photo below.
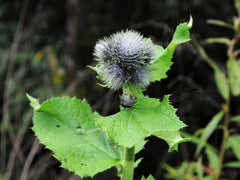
(124, 58)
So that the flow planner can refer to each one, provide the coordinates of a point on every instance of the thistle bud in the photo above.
(124, 59)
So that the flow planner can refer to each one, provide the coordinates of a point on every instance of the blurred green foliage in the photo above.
(32, 59)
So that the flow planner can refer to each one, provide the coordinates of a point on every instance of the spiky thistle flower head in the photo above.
(124, 58)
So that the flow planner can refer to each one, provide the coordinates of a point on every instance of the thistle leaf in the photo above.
(67, 127)
(163, 61)
(146, 117)
(181, 35)
(34, 103)
(173, 138)
(148, 178)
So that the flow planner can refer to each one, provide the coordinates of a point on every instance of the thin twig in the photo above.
(6, 93)
(17, 147)
(29, 160)
(41, 165)
(225, 137)
(17, 151)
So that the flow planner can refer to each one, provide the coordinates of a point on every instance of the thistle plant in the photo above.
(124, 61)
(87, 143)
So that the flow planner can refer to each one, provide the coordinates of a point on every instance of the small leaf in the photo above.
(234, 142)
(67, 127)
(181, 35)
(235, 164)
(196, 141)
(211, 126)
(137, 162)
(220, 23)
(221, 40)
(219, 75)
(203, 53)
(163, 61)
(185, 171)
(173, 138)
(199, 168)
(235, 118)
(149, 178)
(34, 103)
(139, 146)
(146, 117)
(95, 68)
(222, 83)
(234, 76)
(213, 159)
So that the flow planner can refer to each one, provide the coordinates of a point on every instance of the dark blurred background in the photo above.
(46, 45)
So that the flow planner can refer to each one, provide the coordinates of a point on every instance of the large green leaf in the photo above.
(146, 117)
(67, 127)
(163, 61)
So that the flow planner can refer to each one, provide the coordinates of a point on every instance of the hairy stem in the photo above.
(128, 164)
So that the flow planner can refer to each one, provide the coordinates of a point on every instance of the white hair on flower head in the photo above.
(124, 58)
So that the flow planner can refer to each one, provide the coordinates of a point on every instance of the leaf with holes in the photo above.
(67, 127)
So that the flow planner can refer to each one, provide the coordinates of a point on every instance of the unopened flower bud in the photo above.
(124, 59)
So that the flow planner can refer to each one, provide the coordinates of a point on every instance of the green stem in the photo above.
(225, 137)
(128, 164)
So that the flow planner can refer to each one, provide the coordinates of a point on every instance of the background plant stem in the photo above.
(226, 107)
(225, 136)
(128, 164)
